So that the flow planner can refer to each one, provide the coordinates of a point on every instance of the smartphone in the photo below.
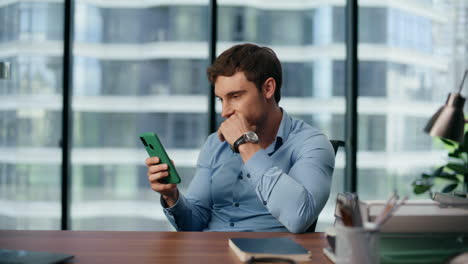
(155, 149)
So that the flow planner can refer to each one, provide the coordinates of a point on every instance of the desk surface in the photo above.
(146, 247)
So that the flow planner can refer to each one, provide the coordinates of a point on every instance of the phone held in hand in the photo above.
(155, 149)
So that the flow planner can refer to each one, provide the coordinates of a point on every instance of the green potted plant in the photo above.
(453, 176)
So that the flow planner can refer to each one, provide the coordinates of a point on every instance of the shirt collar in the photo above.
(282, 134)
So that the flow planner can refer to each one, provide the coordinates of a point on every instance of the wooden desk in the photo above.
(146, 247)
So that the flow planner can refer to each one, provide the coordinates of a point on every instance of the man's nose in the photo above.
(227, 111)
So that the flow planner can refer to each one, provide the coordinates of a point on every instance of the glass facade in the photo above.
(297, 34)
(404, 61)
(30, 115)
(130, 78)
(140, 66)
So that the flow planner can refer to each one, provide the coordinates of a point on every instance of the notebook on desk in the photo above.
(278, 247)
(32, 257)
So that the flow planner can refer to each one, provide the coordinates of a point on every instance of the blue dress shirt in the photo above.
(281, 188)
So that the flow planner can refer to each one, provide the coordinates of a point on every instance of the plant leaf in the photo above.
(455, 154)
(448, 176)
(450, 187)
(464, 157)
(448, 142)
(458, 168)
(425, 175)
(465, 142)
(421, 186)
(419, 189)
(438, 170)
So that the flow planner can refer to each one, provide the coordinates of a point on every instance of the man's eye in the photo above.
(219, 99)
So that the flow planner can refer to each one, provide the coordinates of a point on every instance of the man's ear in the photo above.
(269, 88)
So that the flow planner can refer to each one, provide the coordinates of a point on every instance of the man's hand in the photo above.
(157, 172)
(233, 128)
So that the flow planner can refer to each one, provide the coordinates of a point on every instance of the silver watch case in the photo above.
(248, 136)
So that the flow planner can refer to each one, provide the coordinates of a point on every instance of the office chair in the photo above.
(336, 145)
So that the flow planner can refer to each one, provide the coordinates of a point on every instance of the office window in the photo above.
(308, 78)
(286, 27)
(413, 141)
(141, 67)
(9, 23)
(339, 25)
(372, 74)
(410, 31)
(40, 22)
(233, 24)
(193, 70)
(30, 115)
(372, 22)
(128, 81)
(402, 82)
(372, 132)
(35, 74)
(375, 183)
(416, 82)
(266, 26)
(379, 182)
(372, 78)
(121, 25)
(188, 23)
(298, 80)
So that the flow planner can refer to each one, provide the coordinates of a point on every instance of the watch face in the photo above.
(251, 136)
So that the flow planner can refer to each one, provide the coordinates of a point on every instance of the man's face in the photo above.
(238, 95)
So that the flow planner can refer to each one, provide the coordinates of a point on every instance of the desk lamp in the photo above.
(449, 121)
(4, 70)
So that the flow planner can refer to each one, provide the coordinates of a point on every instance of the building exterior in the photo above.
(140, 66)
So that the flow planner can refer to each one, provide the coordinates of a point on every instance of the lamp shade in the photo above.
(449, 121)
(4, 70)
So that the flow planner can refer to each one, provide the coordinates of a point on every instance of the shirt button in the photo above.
(236, 204)
(231, 224)
(264, 203)
(248, 175)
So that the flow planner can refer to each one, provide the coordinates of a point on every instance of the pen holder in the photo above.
(356, 245)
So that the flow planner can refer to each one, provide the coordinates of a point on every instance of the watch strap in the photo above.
(237, 143)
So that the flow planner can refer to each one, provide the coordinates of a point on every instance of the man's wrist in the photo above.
(247, 137)
(170, 200)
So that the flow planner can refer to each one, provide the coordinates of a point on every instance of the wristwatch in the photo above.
(248, 136)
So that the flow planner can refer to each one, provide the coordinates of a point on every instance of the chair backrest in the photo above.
(336, 145)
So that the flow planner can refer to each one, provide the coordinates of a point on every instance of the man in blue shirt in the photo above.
(263, 170)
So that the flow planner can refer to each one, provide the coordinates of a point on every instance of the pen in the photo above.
(396, 205)
(388, 207)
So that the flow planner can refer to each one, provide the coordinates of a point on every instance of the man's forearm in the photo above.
(287, 200)
(294, 198)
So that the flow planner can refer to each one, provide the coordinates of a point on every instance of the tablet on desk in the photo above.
(31, 257)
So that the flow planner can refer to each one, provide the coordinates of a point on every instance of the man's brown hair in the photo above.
(257, 63)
